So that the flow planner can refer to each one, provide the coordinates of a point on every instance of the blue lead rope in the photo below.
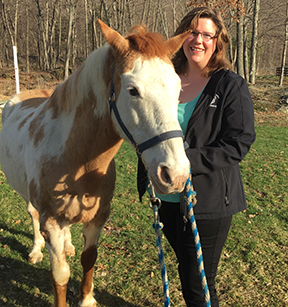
(190, 199)
(155, 204)
(158, 226)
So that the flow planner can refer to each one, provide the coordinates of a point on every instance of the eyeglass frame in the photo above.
(195, 34)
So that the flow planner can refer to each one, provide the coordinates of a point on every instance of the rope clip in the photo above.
(153, 200)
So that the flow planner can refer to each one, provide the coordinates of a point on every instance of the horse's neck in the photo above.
(85, 83)
(81, 101)
(92, 140)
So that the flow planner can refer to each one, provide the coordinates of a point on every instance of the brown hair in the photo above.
(190, 21)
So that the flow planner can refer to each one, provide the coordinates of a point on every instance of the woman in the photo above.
(217, 118)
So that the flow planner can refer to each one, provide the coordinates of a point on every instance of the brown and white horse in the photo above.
(57, 149)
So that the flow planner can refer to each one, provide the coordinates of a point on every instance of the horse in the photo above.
(57, 147)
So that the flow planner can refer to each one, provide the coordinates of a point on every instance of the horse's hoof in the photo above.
(35, 257)
(88, 301)
(69, 250)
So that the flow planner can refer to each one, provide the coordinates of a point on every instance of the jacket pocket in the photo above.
(226, 192)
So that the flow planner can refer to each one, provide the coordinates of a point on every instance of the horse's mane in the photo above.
(147, 43)
(80, 85)
(87, 81)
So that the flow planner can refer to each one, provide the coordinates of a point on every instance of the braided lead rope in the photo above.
(155, 204)
(190, 199)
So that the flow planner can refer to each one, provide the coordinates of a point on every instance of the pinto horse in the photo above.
(57, 148)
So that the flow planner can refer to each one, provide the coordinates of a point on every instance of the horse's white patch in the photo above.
(91, 78)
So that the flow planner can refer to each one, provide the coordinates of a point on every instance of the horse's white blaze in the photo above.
(145, 116)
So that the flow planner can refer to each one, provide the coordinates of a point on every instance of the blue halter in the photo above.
(147, 144)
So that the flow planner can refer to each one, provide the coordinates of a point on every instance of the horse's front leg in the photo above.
(35, 255)
(91, 233)
(54, 235)
(69, 248)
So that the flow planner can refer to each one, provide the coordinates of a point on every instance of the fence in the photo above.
(278, 71)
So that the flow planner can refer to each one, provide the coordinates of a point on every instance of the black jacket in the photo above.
(219, 135)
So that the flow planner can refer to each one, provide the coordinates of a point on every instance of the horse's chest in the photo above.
(78, 209)
(78, 199)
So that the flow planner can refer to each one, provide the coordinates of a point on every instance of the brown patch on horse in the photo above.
(65, 95)
(59, 292)
(33, 191)
(37, 93)
(88, 259)
(36, 129)
(32, 102)
(33, 99)
(24, 121)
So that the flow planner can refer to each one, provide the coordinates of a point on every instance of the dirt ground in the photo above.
(34, 80)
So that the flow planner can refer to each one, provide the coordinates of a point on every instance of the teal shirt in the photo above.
(185, 111)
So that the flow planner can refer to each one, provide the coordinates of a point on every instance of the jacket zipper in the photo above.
(226, 194)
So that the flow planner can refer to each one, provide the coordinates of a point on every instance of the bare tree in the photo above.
(86, 28)
(240, 42)
(44, 37)
(72, 7)
(254, 41)
(27, 38)
(8, 23)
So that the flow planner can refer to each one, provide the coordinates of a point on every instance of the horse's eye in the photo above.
(133, 91)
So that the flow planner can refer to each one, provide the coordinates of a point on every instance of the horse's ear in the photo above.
(174, 43)
(114, 39)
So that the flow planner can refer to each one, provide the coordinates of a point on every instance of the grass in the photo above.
(252, 271)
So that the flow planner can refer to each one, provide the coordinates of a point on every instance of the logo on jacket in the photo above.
(213, 103)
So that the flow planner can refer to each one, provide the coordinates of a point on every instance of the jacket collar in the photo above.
(208, 96)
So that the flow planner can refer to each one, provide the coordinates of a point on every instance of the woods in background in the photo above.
(59, 34)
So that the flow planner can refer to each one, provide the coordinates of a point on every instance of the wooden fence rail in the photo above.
(278, 71)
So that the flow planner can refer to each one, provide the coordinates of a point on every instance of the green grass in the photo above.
(253, 270)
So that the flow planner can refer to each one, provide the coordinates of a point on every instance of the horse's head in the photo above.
(147, 91)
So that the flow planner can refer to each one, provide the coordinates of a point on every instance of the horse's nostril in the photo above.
(164, 175)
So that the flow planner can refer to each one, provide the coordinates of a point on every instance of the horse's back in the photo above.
(14, 136)
(27, 99)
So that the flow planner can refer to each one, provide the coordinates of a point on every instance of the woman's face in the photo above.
(201, 43)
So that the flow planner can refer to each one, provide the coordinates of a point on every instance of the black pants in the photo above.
(213, 234)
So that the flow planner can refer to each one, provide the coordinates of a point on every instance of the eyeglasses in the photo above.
(206, 37)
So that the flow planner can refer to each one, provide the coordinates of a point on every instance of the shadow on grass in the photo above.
(24, 284)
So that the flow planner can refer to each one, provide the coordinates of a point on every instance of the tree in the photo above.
(44, 40)
(254, 41)
(284, 49)
(72, 7)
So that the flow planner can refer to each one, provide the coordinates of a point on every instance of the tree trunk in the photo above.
(6, 23)
(252, 75)
(245, 46)
(59, 32)
(86, 29)
(27, 39)
(284, 50)
(240, 47)
(164, 23)
(69, 37)
(52, 46)
(16, 22)
(42, 30)
(105, 8)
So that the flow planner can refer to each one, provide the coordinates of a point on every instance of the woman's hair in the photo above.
(190, 21)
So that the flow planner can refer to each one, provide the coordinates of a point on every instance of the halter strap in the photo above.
(147, 144)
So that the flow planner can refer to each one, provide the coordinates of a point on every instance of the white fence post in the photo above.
(16, 69)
